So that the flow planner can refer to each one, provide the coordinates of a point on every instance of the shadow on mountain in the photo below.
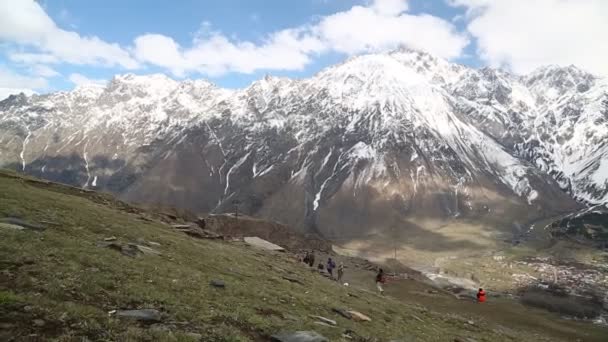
(406, 233)
(556, 298)
(72, 170)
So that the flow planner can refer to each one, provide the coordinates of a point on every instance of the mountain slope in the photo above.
(62, 283)
(380, 141)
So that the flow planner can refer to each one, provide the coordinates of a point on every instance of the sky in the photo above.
(52, 45)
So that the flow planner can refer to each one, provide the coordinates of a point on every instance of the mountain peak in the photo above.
(557, 80)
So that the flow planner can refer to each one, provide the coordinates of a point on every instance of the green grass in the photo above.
(63, 278)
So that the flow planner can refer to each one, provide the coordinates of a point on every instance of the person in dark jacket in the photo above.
(481, 296)
(340, 272)
(330, 267)
(306, 258)
(380, 281)
(311, 259)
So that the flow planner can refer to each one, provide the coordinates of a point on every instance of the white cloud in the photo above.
(81, 80)
(525, 34)
(26, 24)
(43, 70)
(381, 25)
(6, 92)
(13, 83)
(384, 26)
(214, 54)
(32, 58)
(10, 79)
(389, 7)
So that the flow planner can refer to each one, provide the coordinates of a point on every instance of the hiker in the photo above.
(481, 296)
(340, 272)
(380, 280)
(311, 259)
(330, 267)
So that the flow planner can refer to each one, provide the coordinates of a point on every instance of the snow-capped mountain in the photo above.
(379, 141)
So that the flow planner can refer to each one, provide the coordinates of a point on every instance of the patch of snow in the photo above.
(25, 141)
(532, 196)
(238, 164)
(86, 164)
(600, 176)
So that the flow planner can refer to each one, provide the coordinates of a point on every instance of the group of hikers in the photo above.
(309, 259)
(330, 266)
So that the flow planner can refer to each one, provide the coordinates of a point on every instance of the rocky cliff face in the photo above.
(379, 142)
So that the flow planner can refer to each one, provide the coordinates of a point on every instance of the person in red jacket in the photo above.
(481, 296)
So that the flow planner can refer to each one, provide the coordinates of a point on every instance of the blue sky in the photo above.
(53, 45)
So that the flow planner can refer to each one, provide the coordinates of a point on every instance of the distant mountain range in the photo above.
(380, 141)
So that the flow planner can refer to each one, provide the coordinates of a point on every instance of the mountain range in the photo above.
(400, 140)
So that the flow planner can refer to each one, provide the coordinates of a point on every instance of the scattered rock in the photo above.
(263, 244)
(471, 322)
(111, 238)
(131, 250)
(359, 317)
(218, 283)
(39, 322)
(201, 233)
(417, 318)
(324, 324)
(51, 223)
(10, 226)
(21, 223)
(155, 244)
(111, 245)
(351, 335)
(144, 315)
(6, 326)
(464, 339)
(141, 241)
(194, 335)
(342, 313)
(145, 218)
(299, 336)
(324, 320)
(128, 250)
(181, 226)
(201, 222)
(147, 250)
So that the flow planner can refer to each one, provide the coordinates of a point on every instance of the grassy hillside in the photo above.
(60, 284)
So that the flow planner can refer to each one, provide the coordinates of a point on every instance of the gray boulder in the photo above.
(13, 221)
(299, 336)
(144, 315)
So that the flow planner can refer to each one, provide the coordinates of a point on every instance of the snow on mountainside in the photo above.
(362, 145)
